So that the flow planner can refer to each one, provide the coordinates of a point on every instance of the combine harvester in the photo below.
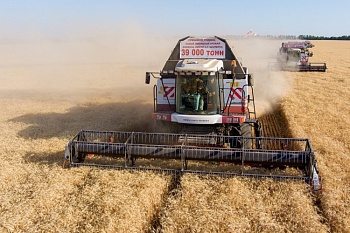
(294, 56)
(204, 109)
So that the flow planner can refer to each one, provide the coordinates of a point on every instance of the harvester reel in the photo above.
(186, 147)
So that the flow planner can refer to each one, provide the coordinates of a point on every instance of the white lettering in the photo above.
(202, 48)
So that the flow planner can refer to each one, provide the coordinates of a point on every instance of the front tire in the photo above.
(243, 131)
(246, 131)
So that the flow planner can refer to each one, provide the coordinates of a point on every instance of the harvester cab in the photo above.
(205, 112)
(294, 56)
(203, 88)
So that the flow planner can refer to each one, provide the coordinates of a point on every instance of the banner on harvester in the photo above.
(202, 48)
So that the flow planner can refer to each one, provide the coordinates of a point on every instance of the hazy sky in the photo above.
(49, 18)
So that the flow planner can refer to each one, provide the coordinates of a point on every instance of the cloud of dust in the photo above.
(269, 86)
(101, 57)
(101, 67)
(115, 58)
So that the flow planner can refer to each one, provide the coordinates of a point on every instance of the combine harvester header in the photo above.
(130, 146)
(205, 112)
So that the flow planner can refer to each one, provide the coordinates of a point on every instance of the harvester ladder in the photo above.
(252, 114)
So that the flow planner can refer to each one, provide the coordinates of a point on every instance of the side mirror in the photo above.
(250, 80)
(148, 78)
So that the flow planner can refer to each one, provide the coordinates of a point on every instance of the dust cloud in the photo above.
(105, 61)
(86, 62)
(269, 85)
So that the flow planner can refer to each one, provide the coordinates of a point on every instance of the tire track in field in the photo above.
(173, 188)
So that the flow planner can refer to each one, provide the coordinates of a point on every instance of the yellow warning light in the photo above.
(233, 63)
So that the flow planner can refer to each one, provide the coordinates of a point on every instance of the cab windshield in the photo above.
(293, 55)
(197, 94)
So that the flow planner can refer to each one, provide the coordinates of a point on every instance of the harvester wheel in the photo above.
(243, 130)
(235, 131)
(246, 131)
(257, 134)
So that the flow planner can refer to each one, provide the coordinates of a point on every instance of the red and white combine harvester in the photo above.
(294, 56)
(202, 88)
(204, 109)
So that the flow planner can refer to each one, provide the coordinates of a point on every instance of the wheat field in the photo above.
(45, 105)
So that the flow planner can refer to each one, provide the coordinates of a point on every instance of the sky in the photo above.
(20, 19)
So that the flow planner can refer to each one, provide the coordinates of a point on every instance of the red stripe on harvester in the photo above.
(236, 92)
(169, 91)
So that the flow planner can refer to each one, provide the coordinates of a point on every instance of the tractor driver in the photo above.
(199, 96)
(195, 87)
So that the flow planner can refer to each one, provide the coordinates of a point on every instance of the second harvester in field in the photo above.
(294, 56)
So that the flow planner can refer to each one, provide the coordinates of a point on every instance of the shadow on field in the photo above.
(129, 116)
(50, 159)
